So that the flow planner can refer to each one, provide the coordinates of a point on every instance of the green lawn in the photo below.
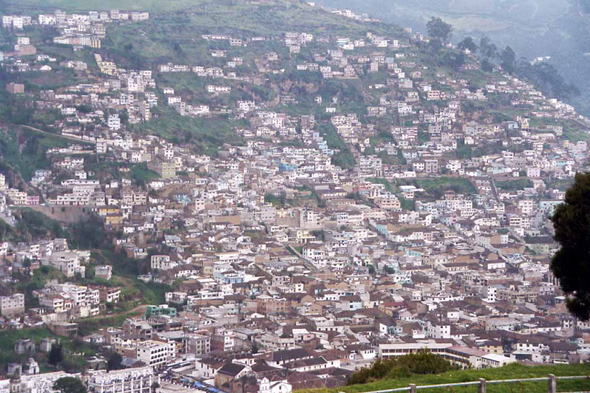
(142, 173)
(513, 185)
(576, 136)
(456, 184)
(435, 186)
(560, 184)
(513, 371)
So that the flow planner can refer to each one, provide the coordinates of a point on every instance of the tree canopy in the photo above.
(548, 79)
(468, 44)
(69, 385)
(487, 49)
(439, 30)
(487, 65)
(422, 362)
(571, 264)
(56, 355)
(454, 60)
(114, 361)
(435, 46)
(508, 60)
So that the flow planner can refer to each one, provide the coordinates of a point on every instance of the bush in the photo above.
(405, 366)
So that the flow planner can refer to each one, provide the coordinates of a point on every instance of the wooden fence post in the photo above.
(482, 388)
(552, 384)
(413, 388)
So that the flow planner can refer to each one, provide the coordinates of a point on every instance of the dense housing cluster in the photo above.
(308, 202)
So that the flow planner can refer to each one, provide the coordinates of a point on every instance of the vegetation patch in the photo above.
(512, 371)
(420, 363)
(513, 185)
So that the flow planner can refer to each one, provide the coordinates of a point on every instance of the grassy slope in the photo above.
(32, 225)
(149, 5)
(515, 371)
(460, 185)
(175, 36)
(141, 172)
(269, 17)
(174, 31)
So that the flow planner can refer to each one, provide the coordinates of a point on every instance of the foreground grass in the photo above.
(513, 371)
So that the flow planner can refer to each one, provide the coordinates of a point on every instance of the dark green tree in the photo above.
(508, 60)
(434, 46)
(487, 49)
(421, 363)
(487, 65)
(114, 361)
(468, 44)
(453, 60)
(56, 355)
(69, 385)
(440, 30)
(571, 264)
(89, 234)
(547, 79)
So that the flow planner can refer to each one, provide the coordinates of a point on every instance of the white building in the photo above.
(114, 122)
(131, 380)
(12, 305)
(155, 353)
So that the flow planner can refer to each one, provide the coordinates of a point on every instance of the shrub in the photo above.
(421, 363)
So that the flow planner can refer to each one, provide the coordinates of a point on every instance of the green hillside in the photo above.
(174, 29)
(270, 16)
(555, 28)
(143, 5)
(267, 17)
(513, 371)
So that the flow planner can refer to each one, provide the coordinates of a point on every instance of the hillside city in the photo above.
(274, 216)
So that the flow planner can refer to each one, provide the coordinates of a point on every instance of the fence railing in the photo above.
(483, 383)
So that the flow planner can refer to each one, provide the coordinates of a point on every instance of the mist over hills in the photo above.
(559, 29)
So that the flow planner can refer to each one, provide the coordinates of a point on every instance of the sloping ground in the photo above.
(261, 17)
(513, 371)
(69, 215)
(99, 5)
(533, 28)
